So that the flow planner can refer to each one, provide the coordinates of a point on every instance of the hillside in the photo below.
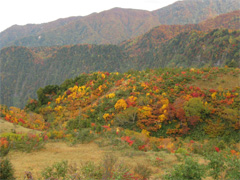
(193, 12)
(228, 21)
(190, 49)
(160, 34)
(24, 70)
(113, 26)
(166, 119)
(165, 102)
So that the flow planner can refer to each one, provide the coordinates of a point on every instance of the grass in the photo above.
(10, 127)
(54, 152)
(35, 162)
(221, 81)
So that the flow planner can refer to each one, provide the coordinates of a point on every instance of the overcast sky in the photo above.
(23, 12)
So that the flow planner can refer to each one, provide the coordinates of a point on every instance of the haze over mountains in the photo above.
(124, 39)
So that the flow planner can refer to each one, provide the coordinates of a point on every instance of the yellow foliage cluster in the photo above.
(77, 91)
(110, 96)
(120, 104)
(105, 116)
(56, 134)
(145, 132)
(163, 110)
(103, 76)
(129, 76)
(164, 94)
(132, 98)
(58, 108)
(108, 116)
(214, 95)
(162, 118)
(101, 88)
(144, 85)
(144, 112)
(59, 99)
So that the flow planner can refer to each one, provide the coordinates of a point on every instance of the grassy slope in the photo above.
(10, 127)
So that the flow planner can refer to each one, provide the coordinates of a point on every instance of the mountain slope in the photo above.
(113, 26)
(229, 20)
(155, 37)
(24, 70)
(194, 11)
(18, 32)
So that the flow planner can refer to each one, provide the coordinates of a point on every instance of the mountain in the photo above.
(194, 11)
(157, 36)
(113, 26)
(23, 71)
(229, 20)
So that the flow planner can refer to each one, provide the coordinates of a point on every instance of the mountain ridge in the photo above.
(125, 23)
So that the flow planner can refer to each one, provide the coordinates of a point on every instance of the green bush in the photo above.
(232, 168)
(78, 123)
(188, 170)
(6, 170)
(57, 170)
(127, 118)
(216, 165)
(84, 136)
(25, 142)
(91, 171)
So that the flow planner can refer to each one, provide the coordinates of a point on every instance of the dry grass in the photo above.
(54, 152)
(9, 127)
(222, 81)
(58, 151)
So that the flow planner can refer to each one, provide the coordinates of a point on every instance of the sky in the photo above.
(22, 12)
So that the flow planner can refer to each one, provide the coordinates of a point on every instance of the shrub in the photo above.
(78, 123)
(121, 172)
(127, 117)
(4, 146)
(188, 170)
(194, 107)
(84, 136)
(57, 170)
(142, 171)
(216, 165)
(114, 170)
(233, 166)
(91, 171)
(6, 170)
(23, 142)
(108, 163)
